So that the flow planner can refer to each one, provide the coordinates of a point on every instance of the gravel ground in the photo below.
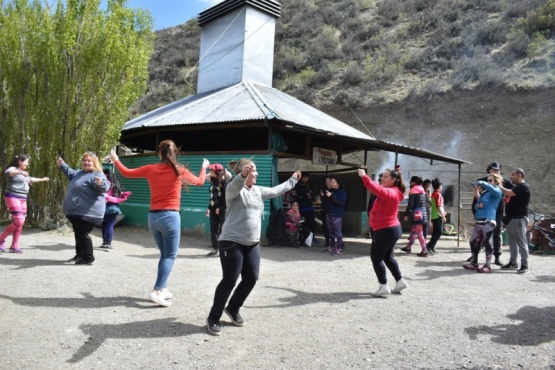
(309, 311)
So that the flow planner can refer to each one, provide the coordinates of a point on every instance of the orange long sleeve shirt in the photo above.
(165, 187)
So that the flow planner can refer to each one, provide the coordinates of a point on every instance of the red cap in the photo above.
(216, 167)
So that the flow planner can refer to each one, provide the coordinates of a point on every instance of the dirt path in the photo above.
(309, 311)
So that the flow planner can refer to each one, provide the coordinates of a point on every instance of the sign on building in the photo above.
(324, 156)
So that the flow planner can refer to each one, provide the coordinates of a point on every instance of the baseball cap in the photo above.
(494, 166)
(305, 174)
(216, 167)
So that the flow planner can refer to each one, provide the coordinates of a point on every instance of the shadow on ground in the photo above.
(88, 301)
(21, 263)
(300, 298)
(537, 326)
(160, 328)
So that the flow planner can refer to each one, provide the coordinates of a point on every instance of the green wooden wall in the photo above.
(194, 202)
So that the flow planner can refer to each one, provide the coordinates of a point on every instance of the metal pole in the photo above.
(459, 211)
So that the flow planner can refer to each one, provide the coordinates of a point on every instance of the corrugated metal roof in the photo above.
(269, 6)
(242, 102)
(248, 102)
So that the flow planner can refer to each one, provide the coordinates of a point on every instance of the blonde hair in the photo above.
(238, 166)
(97, 167)
(497, 178)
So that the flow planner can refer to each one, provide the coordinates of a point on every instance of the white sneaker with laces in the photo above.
(401, 284)
(382, 291)
(166, 293)
(158, 297)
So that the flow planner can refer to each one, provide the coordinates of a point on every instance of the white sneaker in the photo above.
(401, 284)
(382, 291)
(166, 293)
(159, 298)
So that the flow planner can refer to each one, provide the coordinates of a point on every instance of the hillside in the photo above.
(472, 79)
(359, 53)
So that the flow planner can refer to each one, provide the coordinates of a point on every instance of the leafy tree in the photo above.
(69, 71)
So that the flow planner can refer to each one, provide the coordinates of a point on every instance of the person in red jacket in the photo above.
(165, 180)
(387, 227)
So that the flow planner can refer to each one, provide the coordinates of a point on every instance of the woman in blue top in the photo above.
(486, 208)
(336, 199)
(84, 203)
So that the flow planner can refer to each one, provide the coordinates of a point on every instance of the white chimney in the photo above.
(237, 43)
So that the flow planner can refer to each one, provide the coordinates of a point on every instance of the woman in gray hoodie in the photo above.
(84, 203)
(239, 241)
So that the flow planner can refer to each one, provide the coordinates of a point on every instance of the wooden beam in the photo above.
(291, 155)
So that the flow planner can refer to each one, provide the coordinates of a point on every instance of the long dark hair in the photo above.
(167, 150)
(114, 181)
(16, 160)
(416, 180)
(398, 176)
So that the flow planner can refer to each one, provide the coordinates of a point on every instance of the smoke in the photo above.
(447, 173)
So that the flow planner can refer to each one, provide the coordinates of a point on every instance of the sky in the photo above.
(169, 13)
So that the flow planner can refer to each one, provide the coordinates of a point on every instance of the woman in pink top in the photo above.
(386, 226)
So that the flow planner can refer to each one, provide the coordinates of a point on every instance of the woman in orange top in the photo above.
(164, 221)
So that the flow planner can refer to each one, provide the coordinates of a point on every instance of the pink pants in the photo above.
(416, 231)
(18, 209)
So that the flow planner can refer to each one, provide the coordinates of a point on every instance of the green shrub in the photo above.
(306, 76)
(324, 75)
(288, 60)
(305, 94)
(519, 8)
(353, 74)
(325, 46)
(388, 11)
(352, 51)
(490, 33)
(540, 20)
(517, 44)
(348, 99)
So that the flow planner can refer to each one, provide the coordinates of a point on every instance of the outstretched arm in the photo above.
(282, 188)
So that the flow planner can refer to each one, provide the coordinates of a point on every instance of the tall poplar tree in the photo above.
(69, 71)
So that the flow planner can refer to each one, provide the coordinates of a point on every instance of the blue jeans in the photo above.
(165, 227)
(108, 228)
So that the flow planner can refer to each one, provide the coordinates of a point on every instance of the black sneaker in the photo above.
(214, 327)
(523, 270)
(74, 259)
(235, 317)
(85, 261)
(509, 266)
(498, 261)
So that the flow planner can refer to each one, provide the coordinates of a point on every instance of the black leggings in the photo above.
(436, 233)
(83, 242)
(216, 224)
(381, 253)
(236, 259)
